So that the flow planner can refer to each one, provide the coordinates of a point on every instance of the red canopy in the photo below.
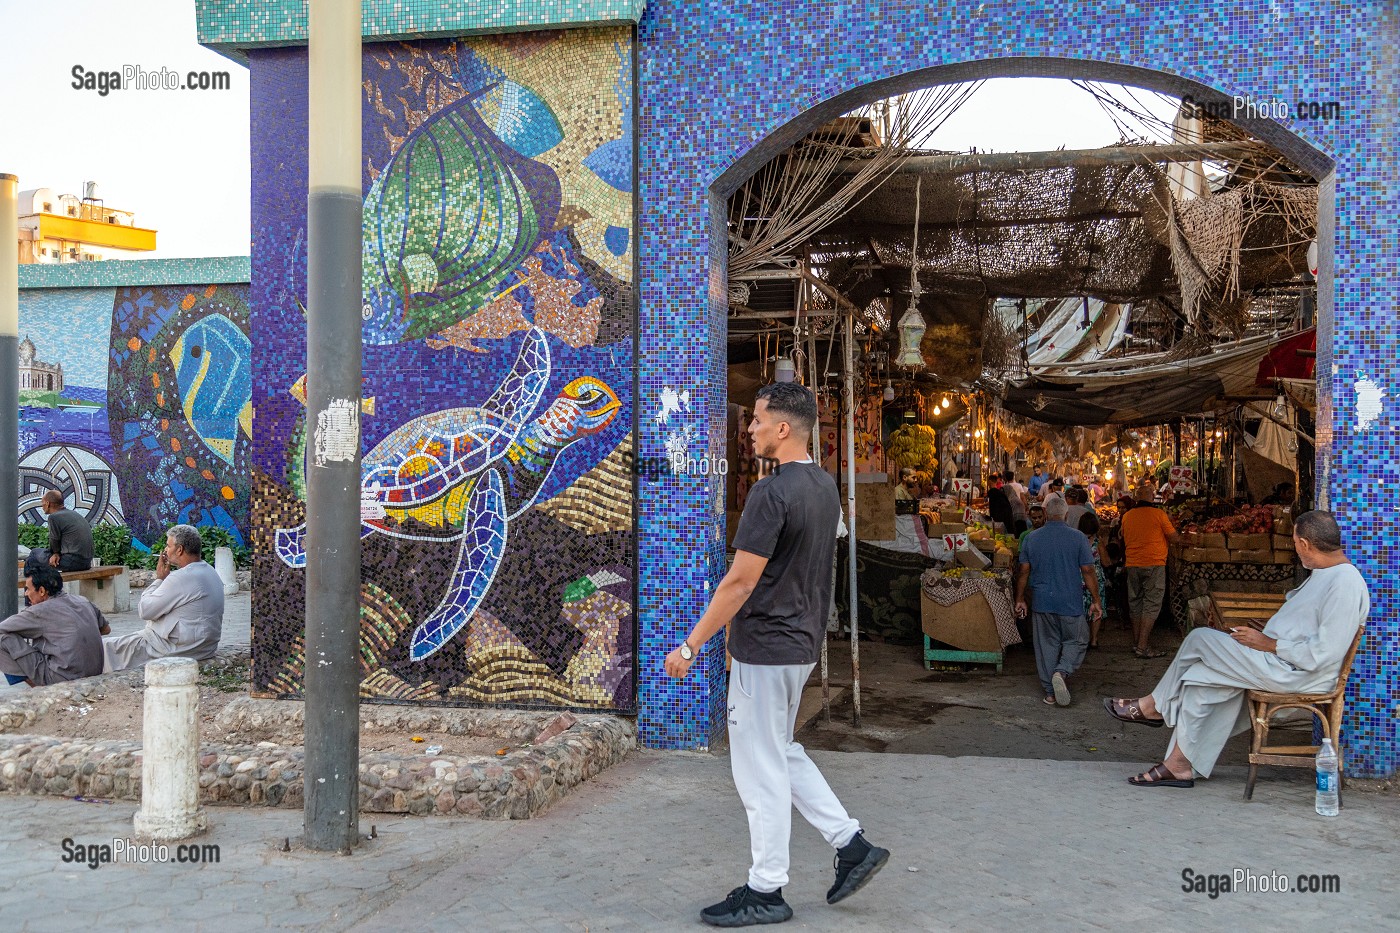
(1285, 362)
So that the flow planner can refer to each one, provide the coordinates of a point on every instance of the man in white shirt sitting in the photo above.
(1300, 650)
(183, 609)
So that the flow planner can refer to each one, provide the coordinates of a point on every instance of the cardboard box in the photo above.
(939, 529)
(973, 559)
(1247, 542)
(1252, 556)
(1284, 525)
(1205, 555)
(1283, 543)
(1210, 540)
(967, 625)
(1190, 539)
(1285, 557)
(874, 511)
(952, 516)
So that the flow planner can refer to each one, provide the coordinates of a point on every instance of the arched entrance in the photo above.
(716, 121)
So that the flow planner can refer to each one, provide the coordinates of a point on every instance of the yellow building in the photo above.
(66, 228)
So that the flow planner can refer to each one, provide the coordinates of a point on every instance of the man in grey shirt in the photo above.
(70, 538)
(183, 609)
(57, 637)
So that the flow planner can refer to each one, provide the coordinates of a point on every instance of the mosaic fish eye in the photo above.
(366, 312)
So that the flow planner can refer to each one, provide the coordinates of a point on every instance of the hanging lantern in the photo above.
(911, 334)
(889, 391)
(912, 326)
(784, 371)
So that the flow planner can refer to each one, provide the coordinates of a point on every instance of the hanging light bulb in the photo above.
(945, 403)
(889, 391)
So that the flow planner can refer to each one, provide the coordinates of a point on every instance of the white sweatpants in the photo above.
(772, 772)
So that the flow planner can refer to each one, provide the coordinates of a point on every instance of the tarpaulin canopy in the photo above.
(1146, 389)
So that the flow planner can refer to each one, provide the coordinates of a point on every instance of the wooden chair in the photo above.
(1327, 707)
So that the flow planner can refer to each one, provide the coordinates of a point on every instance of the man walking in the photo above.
(70, 538)
(1147, 532)
(778, 594)
(1057, 562)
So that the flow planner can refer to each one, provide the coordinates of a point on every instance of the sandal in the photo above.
(1149, 653)
(1129, 711)
(1160, 776)
(1050, 699)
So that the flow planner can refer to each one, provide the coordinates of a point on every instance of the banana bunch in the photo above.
(912, 446)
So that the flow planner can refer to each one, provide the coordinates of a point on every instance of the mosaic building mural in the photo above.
(149, 424)
(496, 494)
(722, 89)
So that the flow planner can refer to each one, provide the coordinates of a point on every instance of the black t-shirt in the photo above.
(790, 518)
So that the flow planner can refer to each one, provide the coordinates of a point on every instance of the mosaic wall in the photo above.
(153, 422)
(497, 414)
(727, 86)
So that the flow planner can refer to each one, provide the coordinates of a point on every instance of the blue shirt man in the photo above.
(1038, 480)
(1057, 563)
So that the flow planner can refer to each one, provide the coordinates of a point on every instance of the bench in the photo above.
(106, 586)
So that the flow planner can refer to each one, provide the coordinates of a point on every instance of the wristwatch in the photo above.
(687, 652)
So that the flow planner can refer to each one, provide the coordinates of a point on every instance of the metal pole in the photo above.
(848, 396)
(333, 407)
(817, 459)
(9, 380)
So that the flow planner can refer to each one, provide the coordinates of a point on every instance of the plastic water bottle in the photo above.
(1327, 777)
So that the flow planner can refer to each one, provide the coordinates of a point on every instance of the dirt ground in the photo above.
(973, 710)
(116, 714)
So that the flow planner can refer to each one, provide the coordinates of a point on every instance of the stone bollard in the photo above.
(223, 565)
(170, 753)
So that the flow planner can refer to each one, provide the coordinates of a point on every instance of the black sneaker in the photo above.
(746, 907)
(856, 863)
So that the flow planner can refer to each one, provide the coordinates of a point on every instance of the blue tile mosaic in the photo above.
(497, 417)
(724, 87)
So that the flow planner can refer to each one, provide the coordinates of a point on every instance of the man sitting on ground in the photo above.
(70, 538)
(1300, 650)
(57, 637)
(183, 609)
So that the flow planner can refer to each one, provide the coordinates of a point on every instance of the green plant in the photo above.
(215, 537)
(32, 536)
(138, 559)
(110, 544)
(243, 557)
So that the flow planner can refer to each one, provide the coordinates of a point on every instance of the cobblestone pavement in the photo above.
(998, 844)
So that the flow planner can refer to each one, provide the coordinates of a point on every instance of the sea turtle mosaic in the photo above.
(464, 473)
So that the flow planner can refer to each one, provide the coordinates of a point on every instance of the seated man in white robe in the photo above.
(1300, 650)
(183, 609)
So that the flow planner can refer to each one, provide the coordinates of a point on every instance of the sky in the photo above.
(179, 159)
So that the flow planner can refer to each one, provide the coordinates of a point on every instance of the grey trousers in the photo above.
(1060, 643)
(19, 658)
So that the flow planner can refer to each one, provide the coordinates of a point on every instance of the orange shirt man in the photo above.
(1147, 534)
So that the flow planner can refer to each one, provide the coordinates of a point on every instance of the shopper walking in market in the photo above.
(1020, 501)
(1056, 564)
(1147, 534)
(778, 594)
